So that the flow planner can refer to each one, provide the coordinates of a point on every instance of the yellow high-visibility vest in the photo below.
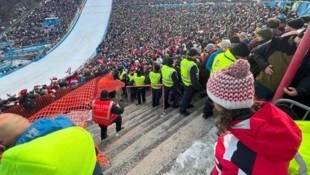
(186, 66)
(222, 60)
(155, 79)
(167, 72)
(300, 165)
(139, 80)
(66, 151)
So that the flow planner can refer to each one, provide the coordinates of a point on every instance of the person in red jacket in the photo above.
(254, 142)
(106, 112)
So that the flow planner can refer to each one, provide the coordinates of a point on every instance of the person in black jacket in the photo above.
(273, 59)
(262, 36)
(299, 89)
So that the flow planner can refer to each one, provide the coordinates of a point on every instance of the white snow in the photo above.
(197, 159)
(79, 46)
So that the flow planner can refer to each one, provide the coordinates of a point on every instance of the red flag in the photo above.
(69, 71)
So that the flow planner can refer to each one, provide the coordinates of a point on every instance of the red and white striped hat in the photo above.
(233, 87)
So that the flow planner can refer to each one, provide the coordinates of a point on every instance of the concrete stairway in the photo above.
(151, 141)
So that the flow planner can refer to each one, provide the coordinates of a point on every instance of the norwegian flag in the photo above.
(69, 71)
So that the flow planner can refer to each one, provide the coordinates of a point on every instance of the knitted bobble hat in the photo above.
(232, 88)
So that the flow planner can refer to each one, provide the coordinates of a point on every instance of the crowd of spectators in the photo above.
(12, 10)
(31, 30)
(140, 34)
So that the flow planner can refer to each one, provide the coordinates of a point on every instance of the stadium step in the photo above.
(150, 140)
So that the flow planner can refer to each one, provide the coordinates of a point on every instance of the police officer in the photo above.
(190, 82)
(155, 78)
(106, 112)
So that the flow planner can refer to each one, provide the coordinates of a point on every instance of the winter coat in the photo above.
(49, 147)
(301, 82)
(261, 144)
(278, 52)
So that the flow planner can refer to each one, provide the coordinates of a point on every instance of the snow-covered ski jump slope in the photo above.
(79, 45)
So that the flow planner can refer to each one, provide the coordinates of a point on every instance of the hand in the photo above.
(268, 70)
(291, 91)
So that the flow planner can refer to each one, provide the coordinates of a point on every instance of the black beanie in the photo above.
(241, 50)
(193, 52)
(296, 23)
(104, 94)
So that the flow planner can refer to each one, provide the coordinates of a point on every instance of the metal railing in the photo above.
(144, 86)
(294, 103)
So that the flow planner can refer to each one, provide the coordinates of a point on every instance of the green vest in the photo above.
(167, 72)
(155, 79)
(121, 75)
(64, 152)
(222, 60)
(301, 163)
(139, 80)
(186, 66)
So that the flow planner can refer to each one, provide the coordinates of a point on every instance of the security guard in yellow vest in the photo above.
(131, 76)
(171, 83)
(122, 75)
(225, 59)
(139, 80)
(155, 78)
(189, 75)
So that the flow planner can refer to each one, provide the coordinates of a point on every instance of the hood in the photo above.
(270, 132)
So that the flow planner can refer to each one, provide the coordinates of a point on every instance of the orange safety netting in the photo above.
(76, 105)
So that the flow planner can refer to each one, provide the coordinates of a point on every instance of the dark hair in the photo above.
(227, 116)
(104, 94)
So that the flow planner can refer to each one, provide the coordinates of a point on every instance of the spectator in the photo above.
(292, 26)
(27, 100)
(273, 59)
(26, 144)
(257, 148)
